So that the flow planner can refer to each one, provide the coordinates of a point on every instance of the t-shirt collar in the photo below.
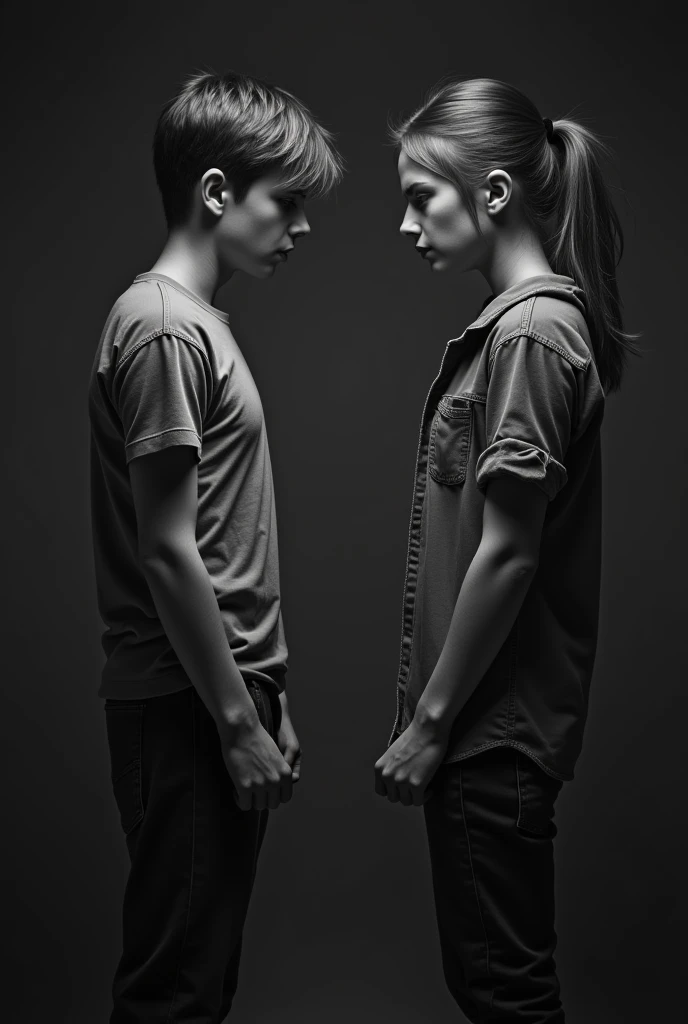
(152, 276)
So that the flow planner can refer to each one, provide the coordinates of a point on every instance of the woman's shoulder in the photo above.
(551, 320)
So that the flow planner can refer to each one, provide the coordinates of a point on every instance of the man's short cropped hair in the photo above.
(247, 129)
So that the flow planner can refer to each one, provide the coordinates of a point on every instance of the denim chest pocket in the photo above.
(450, 440)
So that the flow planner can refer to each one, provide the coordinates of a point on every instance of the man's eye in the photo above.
(286, 201)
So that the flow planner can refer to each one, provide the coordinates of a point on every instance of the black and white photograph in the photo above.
(345, 462)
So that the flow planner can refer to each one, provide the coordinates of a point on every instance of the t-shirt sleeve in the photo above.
(530, 400)
(161, 394)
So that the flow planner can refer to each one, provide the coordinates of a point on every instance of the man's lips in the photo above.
(423, 250)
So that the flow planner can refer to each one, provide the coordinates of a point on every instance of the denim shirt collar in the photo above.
(556, 285)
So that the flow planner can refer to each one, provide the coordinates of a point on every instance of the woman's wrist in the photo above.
(433, 718)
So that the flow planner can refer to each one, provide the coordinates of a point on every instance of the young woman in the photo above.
(503, 573)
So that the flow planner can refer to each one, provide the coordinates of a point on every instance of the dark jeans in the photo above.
(193, 858)
(490, 830)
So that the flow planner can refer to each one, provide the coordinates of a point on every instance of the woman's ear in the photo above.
(499, 190)
(215, 191)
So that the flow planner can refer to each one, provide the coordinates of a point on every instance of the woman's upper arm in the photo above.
(513, 517)
(528, 415)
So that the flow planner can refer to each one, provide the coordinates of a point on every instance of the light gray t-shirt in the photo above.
(168, 371)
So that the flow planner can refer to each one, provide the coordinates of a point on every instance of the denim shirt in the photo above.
(517, 394)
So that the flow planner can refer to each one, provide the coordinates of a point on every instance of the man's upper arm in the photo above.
(162, 391)
(164, 486)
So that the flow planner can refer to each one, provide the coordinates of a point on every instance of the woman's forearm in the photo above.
(489, 601)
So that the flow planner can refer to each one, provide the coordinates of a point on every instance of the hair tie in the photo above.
(549, 127)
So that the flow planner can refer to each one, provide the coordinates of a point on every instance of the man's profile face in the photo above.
(256, 234)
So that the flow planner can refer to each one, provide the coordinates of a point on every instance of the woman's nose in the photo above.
(409, 226)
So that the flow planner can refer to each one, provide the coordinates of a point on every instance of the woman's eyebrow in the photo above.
(409, 190)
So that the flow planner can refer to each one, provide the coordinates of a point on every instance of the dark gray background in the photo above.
(343, 344)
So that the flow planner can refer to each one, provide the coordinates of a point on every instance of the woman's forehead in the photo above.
(411, 172)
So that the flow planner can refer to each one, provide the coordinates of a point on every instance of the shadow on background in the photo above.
(343, 345)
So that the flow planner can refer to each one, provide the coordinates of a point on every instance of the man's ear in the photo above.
(499, 191)
(216, 191)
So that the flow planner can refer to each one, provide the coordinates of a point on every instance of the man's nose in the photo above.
(300, 227)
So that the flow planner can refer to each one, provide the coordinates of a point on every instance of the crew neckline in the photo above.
(151, 275)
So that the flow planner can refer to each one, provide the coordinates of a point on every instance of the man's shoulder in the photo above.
(136, 315)
(148, 309)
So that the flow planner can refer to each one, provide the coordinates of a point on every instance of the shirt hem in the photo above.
(141, 689)
(461, 755)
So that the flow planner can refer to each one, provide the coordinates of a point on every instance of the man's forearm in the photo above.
(489, 601)
(185, 601)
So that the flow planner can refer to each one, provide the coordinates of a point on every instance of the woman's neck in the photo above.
(517, 254)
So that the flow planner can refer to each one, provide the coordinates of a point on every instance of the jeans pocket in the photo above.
(124, 723)
(262, 703)
(450, 440)
(537, 792)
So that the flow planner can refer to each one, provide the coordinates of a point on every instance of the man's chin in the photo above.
(260, 270)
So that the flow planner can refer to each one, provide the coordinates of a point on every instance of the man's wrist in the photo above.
(234, 719)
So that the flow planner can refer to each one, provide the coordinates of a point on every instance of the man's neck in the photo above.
(189, 258)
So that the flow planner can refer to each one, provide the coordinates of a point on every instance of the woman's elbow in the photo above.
(513, 560)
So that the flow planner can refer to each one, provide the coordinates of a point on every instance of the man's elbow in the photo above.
(165, 553)
(523, 567)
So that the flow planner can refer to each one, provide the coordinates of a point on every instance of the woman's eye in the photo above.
(420, 199)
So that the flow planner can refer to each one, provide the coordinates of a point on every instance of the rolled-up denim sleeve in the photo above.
(530, 400)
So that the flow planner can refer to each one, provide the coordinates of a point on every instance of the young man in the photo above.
(185, 544)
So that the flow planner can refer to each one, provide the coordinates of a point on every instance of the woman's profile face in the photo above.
(437, 219)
